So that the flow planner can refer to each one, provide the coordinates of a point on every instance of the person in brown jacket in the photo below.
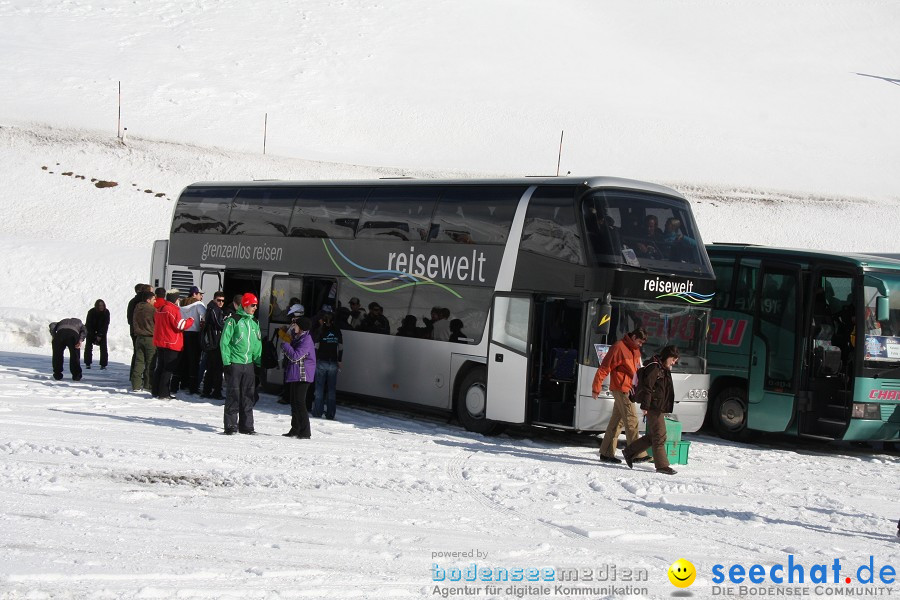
(142, 323)
(620, 364)
(657, 397)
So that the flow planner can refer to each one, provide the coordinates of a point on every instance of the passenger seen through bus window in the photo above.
(652, 236)
(375, 321)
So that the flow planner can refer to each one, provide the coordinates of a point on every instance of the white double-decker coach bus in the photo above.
(535, 278)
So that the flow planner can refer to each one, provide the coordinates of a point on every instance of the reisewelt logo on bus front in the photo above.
(669, 288)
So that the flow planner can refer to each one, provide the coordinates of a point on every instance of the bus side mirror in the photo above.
(882, 308)
(603, 319)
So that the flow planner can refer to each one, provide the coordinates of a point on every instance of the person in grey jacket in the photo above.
(67, 334)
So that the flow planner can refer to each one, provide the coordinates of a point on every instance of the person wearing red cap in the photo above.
(241, 346)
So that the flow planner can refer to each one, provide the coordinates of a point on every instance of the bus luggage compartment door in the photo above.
(507, 360)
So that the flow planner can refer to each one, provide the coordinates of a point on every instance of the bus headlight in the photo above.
(866, 411)
(698, 394)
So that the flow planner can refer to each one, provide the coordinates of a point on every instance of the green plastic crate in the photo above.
(673, 430)
(676, 451)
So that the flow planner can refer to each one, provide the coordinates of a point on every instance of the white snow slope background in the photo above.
(778, 120)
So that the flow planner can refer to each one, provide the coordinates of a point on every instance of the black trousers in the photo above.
(89, 350)
(299, 415)
(166, 362)
(190, 362)
(240, 400)
(66, 339)
(212, 380)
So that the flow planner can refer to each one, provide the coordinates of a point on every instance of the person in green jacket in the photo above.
(241, 347)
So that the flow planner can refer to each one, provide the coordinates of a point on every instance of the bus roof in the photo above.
(860, 259)
(590, 182)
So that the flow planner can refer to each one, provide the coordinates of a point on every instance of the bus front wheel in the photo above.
(471, 404)
(730, 414)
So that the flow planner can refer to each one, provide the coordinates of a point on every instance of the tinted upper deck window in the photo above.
(262, 211)
(398, 214)
(327, 212)
(475, 214)
(550, 225)
(203, 210)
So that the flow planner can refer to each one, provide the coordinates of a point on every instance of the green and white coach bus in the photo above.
(537, 276)
(805, 342)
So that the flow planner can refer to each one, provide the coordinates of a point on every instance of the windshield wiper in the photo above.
(892, 372)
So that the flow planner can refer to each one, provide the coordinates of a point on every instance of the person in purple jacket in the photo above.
(298, 374)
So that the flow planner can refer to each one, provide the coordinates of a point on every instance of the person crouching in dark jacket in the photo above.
(299, 373)
(657, 398)
(67, 334)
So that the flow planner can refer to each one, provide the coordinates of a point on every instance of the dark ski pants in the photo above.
(212, 379)
(190, 362)
(66, 339)
(299, 416)
(240, 400)
(655, 437)
(166, 362)
(89, 351)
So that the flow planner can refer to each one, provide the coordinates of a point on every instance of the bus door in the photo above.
(279, 291)
(552, 379)
(158, 263)
(825, 399)
(509, 351)
(210, 283)
(774, 368)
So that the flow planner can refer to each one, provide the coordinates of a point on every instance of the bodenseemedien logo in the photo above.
(682, 573)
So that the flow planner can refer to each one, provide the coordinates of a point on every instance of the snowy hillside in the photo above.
(69, 242)
(771, 94)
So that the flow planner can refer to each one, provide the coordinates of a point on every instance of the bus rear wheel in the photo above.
(730, 414)
(471, 403)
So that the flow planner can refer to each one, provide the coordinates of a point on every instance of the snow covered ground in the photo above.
(777, 118)
(105, 494)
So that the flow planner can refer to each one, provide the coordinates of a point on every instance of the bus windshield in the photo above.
(665, 324)
(882, 337)
(646, 230)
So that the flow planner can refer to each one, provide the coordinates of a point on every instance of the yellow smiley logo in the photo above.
(682, 573)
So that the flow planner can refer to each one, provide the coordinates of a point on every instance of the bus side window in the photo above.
(261, 211)
(724, 279)
(550, 226)
(397, 213)
(203, 210)
(328, 212)
(745, 292)
(475, 215)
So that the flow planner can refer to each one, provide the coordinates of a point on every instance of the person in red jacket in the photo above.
(168, 339)
(620, 364)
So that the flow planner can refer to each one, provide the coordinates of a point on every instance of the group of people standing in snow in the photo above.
(184, 344)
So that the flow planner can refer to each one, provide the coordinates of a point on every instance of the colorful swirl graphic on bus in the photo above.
(377, 281)
(690, 297)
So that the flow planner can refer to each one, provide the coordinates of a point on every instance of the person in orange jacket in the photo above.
(620, 364)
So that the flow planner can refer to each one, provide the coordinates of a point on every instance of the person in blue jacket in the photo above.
(298, 374)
